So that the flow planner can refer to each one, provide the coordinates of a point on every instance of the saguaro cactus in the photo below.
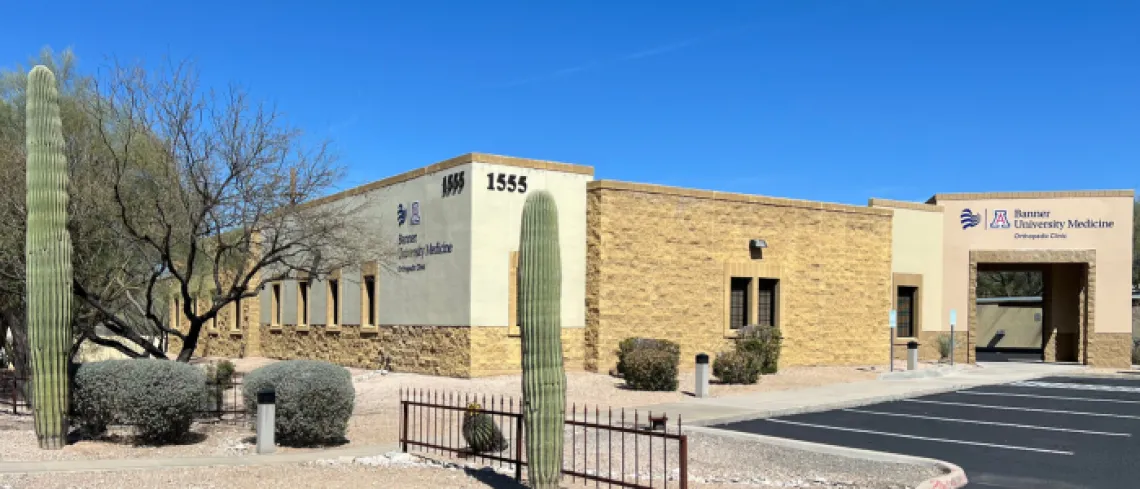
(540, 322)
(48, 260)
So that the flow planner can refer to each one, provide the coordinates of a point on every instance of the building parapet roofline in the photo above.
(452, 163)
(900, 204)
(1067, 194)
(734, 197)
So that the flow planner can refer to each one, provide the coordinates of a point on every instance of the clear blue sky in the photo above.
(832, 100)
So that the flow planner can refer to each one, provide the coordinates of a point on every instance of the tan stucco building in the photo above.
(693, 266)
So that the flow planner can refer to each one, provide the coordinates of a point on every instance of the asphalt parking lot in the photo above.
(1054, 432)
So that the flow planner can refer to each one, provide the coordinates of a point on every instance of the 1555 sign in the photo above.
(453, 184)
(506, 182)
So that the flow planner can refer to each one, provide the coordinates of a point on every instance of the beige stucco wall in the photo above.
(916, 248)
(1113, 245)
(1021, 322)
(659, 257)
(496, 221)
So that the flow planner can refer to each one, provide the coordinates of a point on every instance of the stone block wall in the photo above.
(494, 352)
(657, 260)
(1110, 350)
(432, 350)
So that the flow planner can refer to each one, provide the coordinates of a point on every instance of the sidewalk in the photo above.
(711, 411)
(166, 463)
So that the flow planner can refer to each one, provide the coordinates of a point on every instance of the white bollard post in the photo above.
(912, 355)
(702, 387)
(266, 422)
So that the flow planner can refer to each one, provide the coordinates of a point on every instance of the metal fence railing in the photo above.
(12, 398)
(621, 449)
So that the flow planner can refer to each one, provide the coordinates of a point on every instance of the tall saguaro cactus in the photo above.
(48, 260)
(540, 322)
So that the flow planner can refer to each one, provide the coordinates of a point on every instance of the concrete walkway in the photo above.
(710, 411)
(167, 463)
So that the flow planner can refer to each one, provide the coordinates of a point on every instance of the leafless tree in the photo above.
(214, 193)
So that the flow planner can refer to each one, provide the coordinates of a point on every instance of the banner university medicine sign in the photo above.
(1029, 223)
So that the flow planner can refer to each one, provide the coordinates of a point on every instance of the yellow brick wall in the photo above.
(1110, 350)
(433, 350)
(657, 260)
(493, 352)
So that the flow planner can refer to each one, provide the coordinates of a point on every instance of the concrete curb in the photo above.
(952, 477)
(851, 403)
(111, 465)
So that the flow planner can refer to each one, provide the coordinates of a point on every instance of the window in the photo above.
(275, 316)
(369, 300)
(302, 303)
(905, 311)
(766, 302)
(176, 315)
(235, 325)
(738, 308)
(334, 302)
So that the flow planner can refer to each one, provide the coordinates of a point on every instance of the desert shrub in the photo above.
(314, 399)
(158, 397)
(1136, 351)
(764, 343)
(630, 344)
(944, 346)
(734, 367)
(651, 369)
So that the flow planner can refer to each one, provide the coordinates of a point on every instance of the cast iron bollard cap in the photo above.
(702, 359)
(267, 396)
(912, 345)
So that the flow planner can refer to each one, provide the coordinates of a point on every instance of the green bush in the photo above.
(314, 399)
(764, 343)
(734, 367)
(944, 346)
(158, 397)
(1136, 351)
(651, 369)
(630, 344)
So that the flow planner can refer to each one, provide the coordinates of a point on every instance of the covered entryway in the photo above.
(1050, 325)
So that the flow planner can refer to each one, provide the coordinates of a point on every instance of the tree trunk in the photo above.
(191, 342)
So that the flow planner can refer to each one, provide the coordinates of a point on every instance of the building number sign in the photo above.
(506, 182)
(453, 184)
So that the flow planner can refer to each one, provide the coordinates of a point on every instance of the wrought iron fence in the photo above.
(634, 450)
(224, 403)
(12, 398)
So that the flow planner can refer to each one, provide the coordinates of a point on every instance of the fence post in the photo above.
(684, 456)
(518, 447)
(404, 426)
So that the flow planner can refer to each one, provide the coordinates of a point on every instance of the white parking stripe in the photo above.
(923, 438)
(991, 423)
(1076, 386)
(1012, 408)
(1062, 398)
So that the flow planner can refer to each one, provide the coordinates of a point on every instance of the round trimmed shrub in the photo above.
(630, 344)
(650, 369)
(158, 397)
(734, 367)
(314, 399)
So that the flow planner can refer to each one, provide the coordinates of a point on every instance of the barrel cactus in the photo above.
(48, 259)
(480, 432)
(540, 322)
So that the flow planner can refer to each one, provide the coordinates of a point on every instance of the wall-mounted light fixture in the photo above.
(756, 247)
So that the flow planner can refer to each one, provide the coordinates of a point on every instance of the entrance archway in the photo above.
(1067, 312)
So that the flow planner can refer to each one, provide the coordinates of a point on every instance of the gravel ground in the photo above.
(798, 469)
(375, 421)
